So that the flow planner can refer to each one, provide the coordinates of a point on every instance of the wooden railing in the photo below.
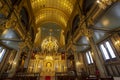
(27, 76)
(21, 76)
(65, 76)
(4, 76)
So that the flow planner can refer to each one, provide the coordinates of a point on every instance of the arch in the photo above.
(65, 6)
(32, 34)
(87, 5)
(49, 14)
(67, 37)
(48, 64)
(53, 9)
(16, 2)
(61, 25)
(24, 17)
(75, 24)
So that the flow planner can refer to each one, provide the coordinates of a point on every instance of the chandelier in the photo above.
(104, 3)
(49, 44)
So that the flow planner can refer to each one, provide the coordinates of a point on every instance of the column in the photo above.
(29, 51)
(96, 58)
(4, 63)
(75, 60)
(27, 60)
(98, 62)
(16, 61)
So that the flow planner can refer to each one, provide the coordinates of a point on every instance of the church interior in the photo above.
(59, 39)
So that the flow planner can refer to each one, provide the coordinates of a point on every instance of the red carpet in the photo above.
(47, 77)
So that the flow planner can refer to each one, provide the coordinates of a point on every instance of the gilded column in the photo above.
(28, 54)
(97, 59)
(98, 63)
(75, 59)
(27, 59)
(16, 60)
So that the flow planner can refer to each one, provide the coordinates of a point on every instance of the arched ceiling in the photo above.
(56, 11)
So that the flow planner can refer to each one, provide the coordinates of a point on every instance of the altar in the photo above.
(47, 65)
(48, 61)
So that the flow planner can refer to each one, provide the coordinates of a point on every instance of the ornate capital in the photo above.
(85, 31)
(11, 22)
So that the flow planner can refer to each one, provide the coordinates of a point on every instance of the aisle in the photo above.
(47, 78)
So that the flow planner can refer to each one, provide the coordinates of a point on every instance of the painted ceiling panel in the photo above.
(50, 29)
(111, 19)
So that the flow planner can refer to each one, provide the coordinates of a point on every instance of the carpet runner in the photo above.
(47, 78)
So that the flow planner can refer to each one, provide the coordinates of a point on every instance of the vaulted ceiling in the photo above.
(107, 24)
(52, 15)
(55, 11)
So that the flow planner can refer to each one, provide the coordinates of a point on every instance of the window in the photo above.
(107, 50)
(89, 57)
(75, 24)
(2, 52)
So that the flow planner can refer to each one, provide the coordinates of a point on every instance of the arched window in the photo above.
(67, 37)
(24, 17)
(75, 24)
(107, 50)
(2, 53)
(89, 57)
(87, 4)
